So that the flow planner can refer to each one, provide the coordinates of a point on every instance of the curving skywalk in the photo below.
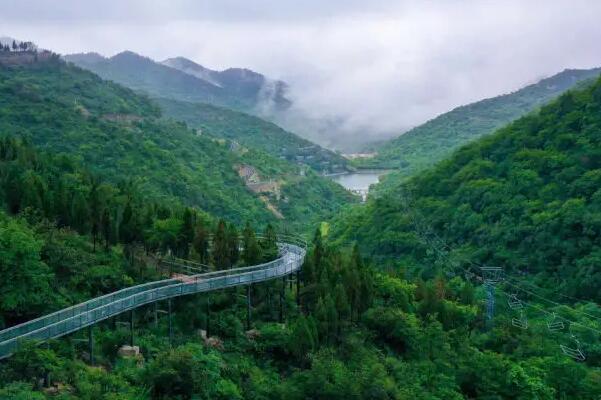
(292, 253)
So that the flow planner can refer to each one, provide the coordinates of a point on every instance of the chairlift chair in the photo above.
(492, 274)
(521, 322)
(514, 302)
(575, 353)
(554, 324)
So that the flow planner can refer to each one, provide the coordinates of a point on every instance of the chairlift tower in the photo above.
(491, 276)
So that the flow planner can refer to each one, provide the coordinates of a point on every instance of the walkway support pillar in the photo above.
(91, 343)
(248, 307)
(298, 288)
(282, 294)
(170, 323)
(131, 328)
(208, 327)
(156, 314)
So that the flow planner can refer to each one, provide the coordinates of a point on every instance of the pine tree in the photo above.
(80, 213)
(318, 251)
(303, 339)
(128, 225)
(269, 244)
(251, 253)
(220, 249)
(467, 294)
(321, 318)
(106, 227)
(186, 234)
(201, 243)
(233, 244)
(95, 210)
(342, 303)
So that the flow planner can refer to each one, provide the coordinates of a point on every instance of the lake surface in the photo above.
(359, 180)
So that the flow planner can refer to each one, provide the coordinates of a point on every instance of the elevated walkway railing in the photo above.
(71, 319)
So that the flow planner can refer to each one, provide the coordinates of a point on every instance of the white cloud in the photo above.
(379, 68)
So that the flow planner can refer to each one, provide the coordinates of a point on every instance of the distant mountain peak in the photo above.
(183, 79)
(189, 67)
(85, 58)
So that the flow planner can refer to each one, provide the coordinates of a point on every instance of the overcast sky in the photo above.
(381, 66)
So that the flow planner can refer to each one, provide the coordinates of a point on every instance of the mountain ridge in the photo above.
(237, 88)
(118, 132)
(432, 141)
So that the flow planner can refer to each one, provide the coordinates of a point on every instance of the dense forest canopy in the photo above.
(525, 199)
(96, 190)
(253, 132)
(118, 133)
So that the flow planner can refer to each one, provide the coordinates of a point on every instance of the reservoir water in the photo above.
(359, 181)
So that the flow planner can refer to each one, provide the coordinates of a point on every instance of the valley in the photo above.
(161, 238)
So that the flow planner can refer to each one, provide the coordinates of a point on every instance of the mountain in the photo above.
(121, 135)
(433, 141)
(97, 206)
(182, 79)
(526, 198)
(253, 132)
(187, 91)
(244, 83)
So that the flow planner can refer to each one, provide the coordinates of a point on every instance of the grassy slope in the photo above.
(527, 198)
(435, 140)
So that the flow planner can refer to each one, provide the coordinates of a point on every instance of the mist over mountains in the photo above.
(241, 89)
(182, 79)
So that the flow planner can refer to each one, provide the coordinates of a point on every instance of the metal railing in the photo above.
(71, 319)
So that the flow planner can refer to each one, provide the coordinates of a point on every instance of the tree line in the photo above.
(17, 47)
(58, 189)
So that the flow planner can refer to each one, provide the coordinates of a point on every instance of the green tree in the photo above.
(251, 252)
(269, 246)
(32, 363)
(302, 340)
(186, 235)
(220, 250)
(233, 244)
(20, 391)
(25, 284)
(201, 243)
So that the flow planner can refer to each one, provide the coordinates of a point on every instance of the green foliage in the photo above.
(252, 132)
(400, 345)
(25, 278)
(119, 135)
(20, 391)
(183, 372)
(526, 196)
(525, 199)
(437, 139)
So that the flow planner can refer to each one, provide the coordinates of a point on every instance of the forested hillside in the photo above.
(435, 140)
(357, 334)
(253, 132)
(526, 199)
(191, 93)
(119, 134)
(98, 190)
(69, 235)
